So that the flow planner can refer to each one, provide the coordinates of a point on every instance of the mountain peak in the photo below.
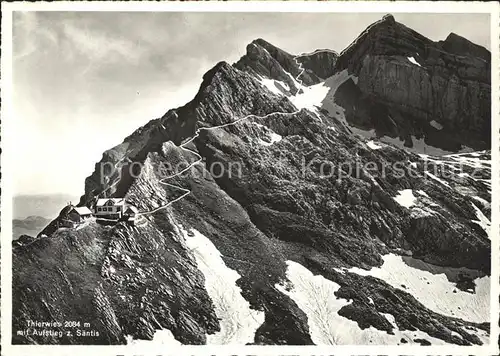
(457, 44)
(264, 59)
(221, 67)
(383, 37)
(262, 42)
(389, 19)
(388, 47)
(268, 46)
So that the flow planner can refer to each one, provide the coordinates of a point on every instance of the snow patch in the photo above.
(271, 85)
(484, 202)
(405, 198)
(436, 125)
(315, 296)
(274, 138)
(238, 322)
(482, 221)
(437, 179)
(161, 337)
(471, 161)
(433, 289)
(412, 59)
(373, 145)
(311, 97)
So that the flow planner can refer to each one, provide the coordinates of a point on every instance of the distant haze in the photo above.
(47, 206)
(83, 81)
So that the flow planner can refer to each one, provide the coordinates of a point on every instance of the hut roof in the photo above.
(116, 201)
(83, 210)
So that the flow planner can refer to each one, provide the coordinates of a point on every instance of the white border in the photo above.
(8, 158)
(495, 176)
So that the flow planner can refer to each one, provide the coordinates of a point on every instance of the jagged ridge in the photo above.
(401, 99)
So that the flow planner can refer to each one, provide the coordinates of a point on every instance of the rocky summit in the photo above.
(318, 198)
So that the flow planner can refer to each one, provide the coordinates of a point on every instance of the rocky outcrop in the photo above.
(119, 285)
(411, 86)
(237, 95)
(463, 47)
(321, 62)
(263, 60)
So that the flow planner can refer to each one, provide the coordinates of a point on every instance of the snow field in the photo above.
(315, 296)
(434, 290)
(238, 322)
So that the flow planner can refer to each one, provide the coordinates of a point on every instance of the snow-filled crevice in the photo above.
(238, 322)
(413, 60)
(482, 220)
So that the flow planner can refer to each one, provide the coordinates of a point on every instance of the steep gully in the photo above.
(197, 134)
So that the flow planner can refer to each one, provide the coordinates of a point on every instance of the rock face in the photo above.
(320, 62)
(463, 47)
(406, 81)
(248, 171)
(263, 60)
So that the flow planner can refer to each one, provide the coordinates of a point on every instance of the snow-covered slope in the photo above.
(315, 295)
(431, 286)
(238, 322)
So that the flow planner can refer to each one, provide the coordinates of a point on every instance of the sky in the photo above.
(83, 81)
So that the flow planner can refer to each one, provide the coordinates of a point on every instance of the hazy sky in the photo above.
(85, 80)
